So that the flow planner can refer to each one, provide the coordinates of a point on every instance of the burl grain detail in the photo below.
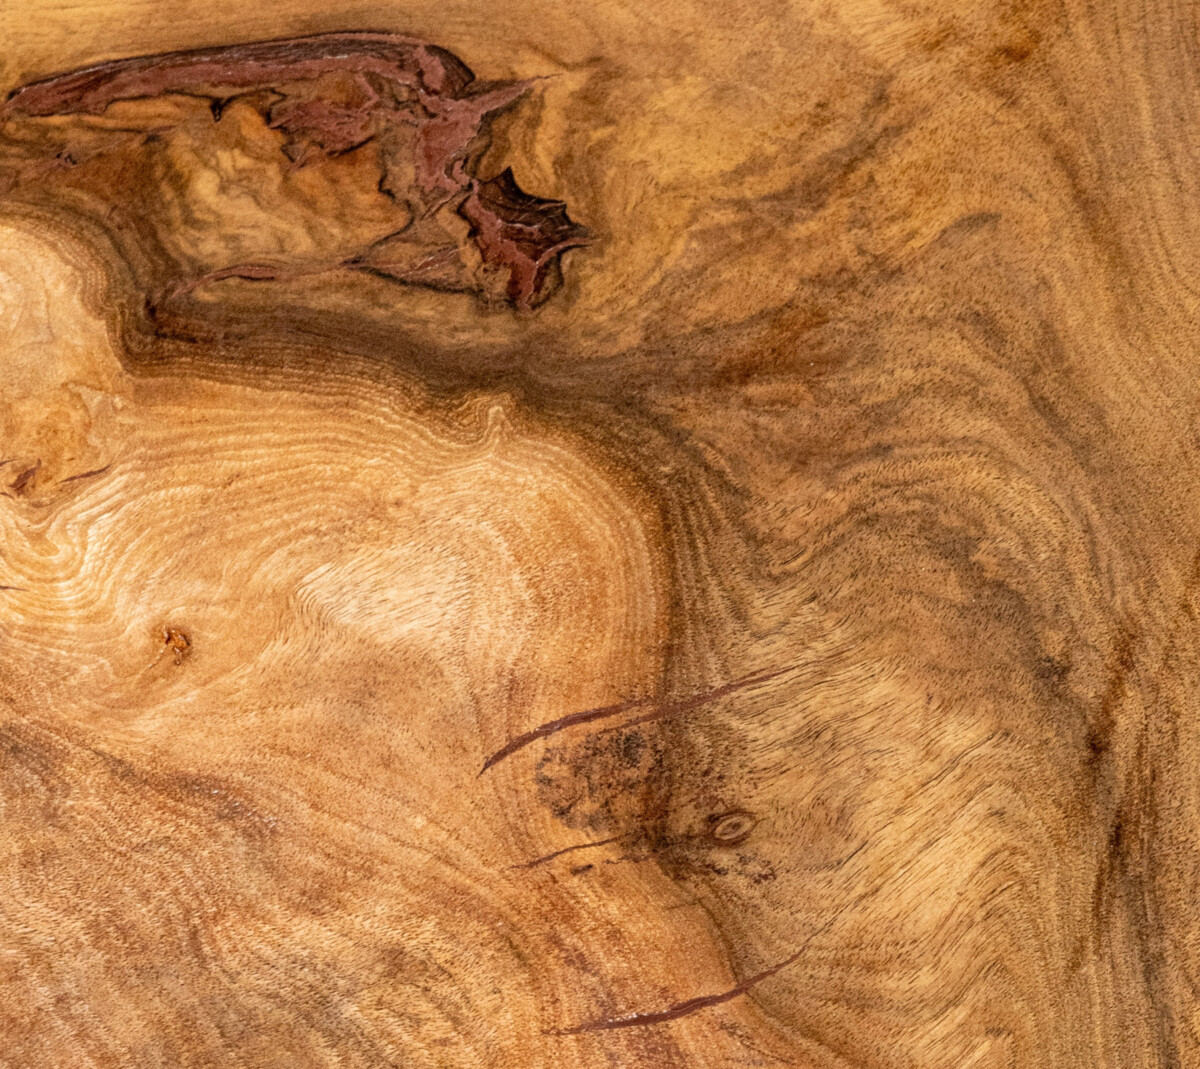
(560, 536)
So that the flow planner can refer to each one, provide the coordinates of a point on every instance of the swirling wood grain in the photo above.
(703, 573)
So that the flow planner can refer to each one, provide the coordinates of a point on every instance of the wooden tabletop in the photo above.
(580, 535)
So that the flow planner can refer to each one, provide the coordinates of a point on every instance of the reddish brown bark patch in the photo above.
(331, 94)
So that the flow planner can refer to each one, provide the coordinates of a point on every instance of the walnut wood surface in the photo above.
(597, 534)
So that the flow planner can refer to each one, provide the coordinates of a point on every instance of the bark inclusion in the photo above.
(285, 158)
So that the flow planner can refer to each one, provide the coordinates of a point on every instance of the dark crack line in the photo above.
(684, 1009)
(704, 1002)
(87, 474)
(565, 850)
(604, 712)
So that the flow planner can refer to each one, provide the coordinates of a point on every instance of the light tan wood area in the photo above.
(586, 535)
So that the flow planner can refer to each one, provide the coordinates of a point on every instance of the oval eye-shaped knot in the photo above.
(733, 827)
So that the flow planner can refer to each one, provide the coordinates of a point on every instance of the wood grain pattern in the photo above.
(589, 535)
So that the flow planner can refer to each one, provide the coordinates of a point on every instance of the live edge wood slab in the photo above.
(599, 534)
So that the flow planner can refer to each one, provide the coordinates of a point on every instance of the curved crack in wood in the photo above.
(607, 712)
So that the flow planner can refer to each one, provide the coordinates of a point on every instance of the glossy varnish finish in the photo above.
(587, 536)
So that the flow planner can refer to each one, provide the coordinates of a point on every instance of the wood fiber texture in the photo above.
(580, 535)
